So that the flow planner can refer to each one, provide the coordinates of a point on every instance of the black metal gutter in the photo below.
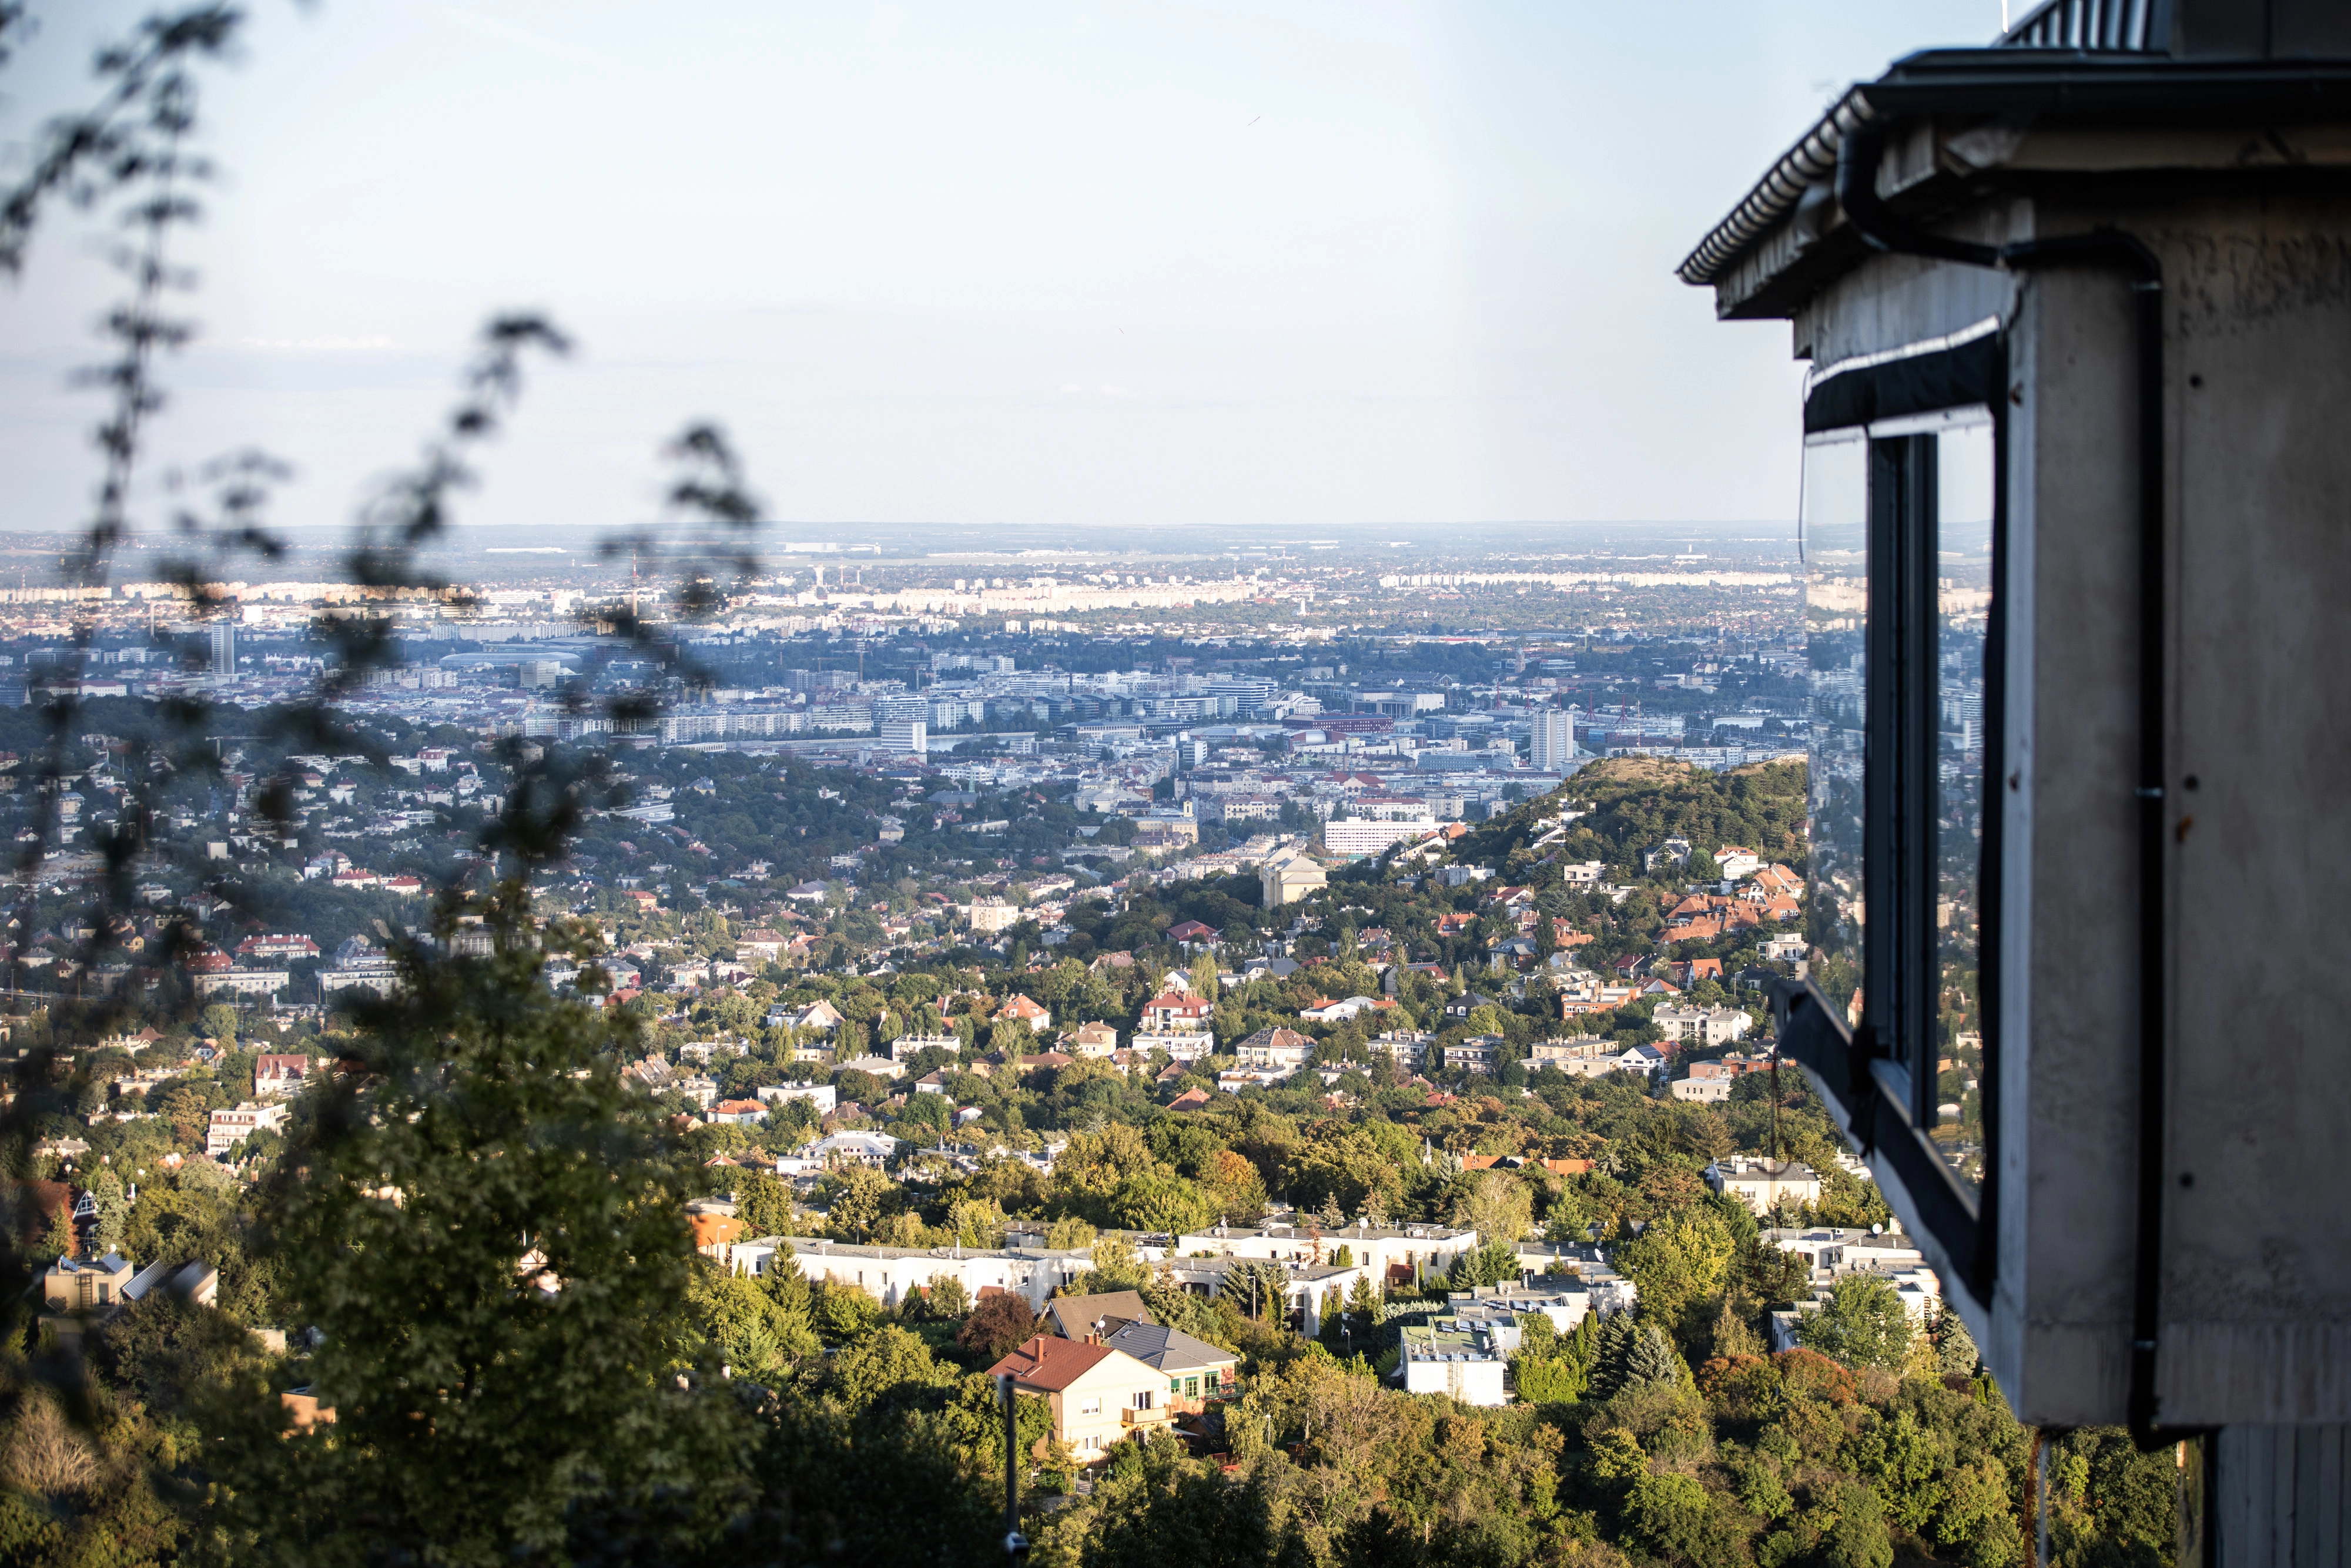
(2039, 86)
(1885, 230)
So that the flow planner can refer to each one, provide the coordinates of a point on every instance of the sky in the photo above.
(1281, 264)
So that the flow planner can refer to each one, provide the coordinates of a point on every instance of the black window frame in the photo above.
(1882, 1073)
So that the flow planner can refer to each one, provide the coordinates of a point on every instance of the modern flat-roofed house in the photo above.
(890, 1274)
(1445, 1357)
(1763, 1185)
(1408, 1049)
(229, 1128)
(1474, 1053)
(85, 1284)
(1100, 1396)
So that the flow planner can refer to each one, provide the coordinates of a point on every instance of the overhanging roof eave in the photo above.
(2043, 86)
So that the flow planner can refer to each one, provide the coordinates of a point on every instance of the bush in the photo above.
(999, 1326)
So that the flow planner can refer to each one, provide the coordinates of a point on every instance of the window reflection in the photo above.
(1835, 539)
(1963, 601)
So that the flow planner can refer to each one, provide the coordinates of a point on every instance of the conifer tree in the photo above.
(1650, 1358)
(113, 1209)
(1614, 1357)
(59, 1240)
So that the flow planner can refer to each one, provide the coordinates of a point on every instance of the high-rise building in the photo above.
(1553, 739)
(224, 648)
(905, 735)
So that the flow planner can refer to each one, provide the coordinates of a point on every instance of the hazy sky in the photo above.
(1268, 264)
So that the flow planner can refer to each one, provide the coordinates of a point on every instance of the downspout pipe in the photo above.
(1858, 156)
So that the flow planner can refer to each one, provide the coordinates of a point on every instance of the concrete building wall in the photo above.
(2257, 1289)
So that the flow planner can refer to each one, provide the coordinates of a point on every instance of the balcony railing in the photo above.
(1157, 1414)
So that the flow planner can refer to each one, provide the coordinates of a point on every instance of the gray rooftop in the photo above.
(1169, 1349)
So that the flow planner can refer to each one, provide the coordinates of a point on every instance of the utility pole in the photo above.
(1016, 1545)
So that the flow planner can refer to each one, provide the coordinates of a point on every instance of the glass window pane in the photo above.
(1835, 539)
(1963, 601)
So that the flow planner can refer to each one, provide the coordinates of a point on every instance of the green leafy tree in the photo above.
(888, 1363)
(1863, 1324)
(1678, 1263)
(764, 1204)
(1497, 1205)
(946, 1300)
(754, 1332)
(1858, 1537)
(855, 1196)
(488, 1230)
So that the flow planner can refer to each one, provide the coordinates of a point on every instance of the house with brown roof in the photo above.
(1019, 1009)
(1099, 1395)
(1193, 1099)
(275, 1076)
(1094, 1040)
(1274, 1049)
(1075, 1317)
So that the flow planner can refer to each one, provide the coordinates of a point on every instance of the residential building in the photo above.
(889, 1273)
(229, 1128)
(1408, 1049)
(1273, 1050)
(875, 1149)
(988, 914)
(276, 1077)
(905, 735)
(85, 1284)
(1478, 1053)
(1094, 1040)
(1195, 1370)
(1703, 1026)
(1394, 1254)
(821, 1095)
(1763, 1184)
(1289, 876)
(1176, 1012)
(1100, 1396)
(1640, 1059)
(1021, 1009)
(241, 982)
(1459, 1008)
(1706, 1090)
(1355, 838)
(1443, 1356)
(906, 1047)
(1076, 1317)
(1559, 1052)
(1552, 740)
(819, 1015)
